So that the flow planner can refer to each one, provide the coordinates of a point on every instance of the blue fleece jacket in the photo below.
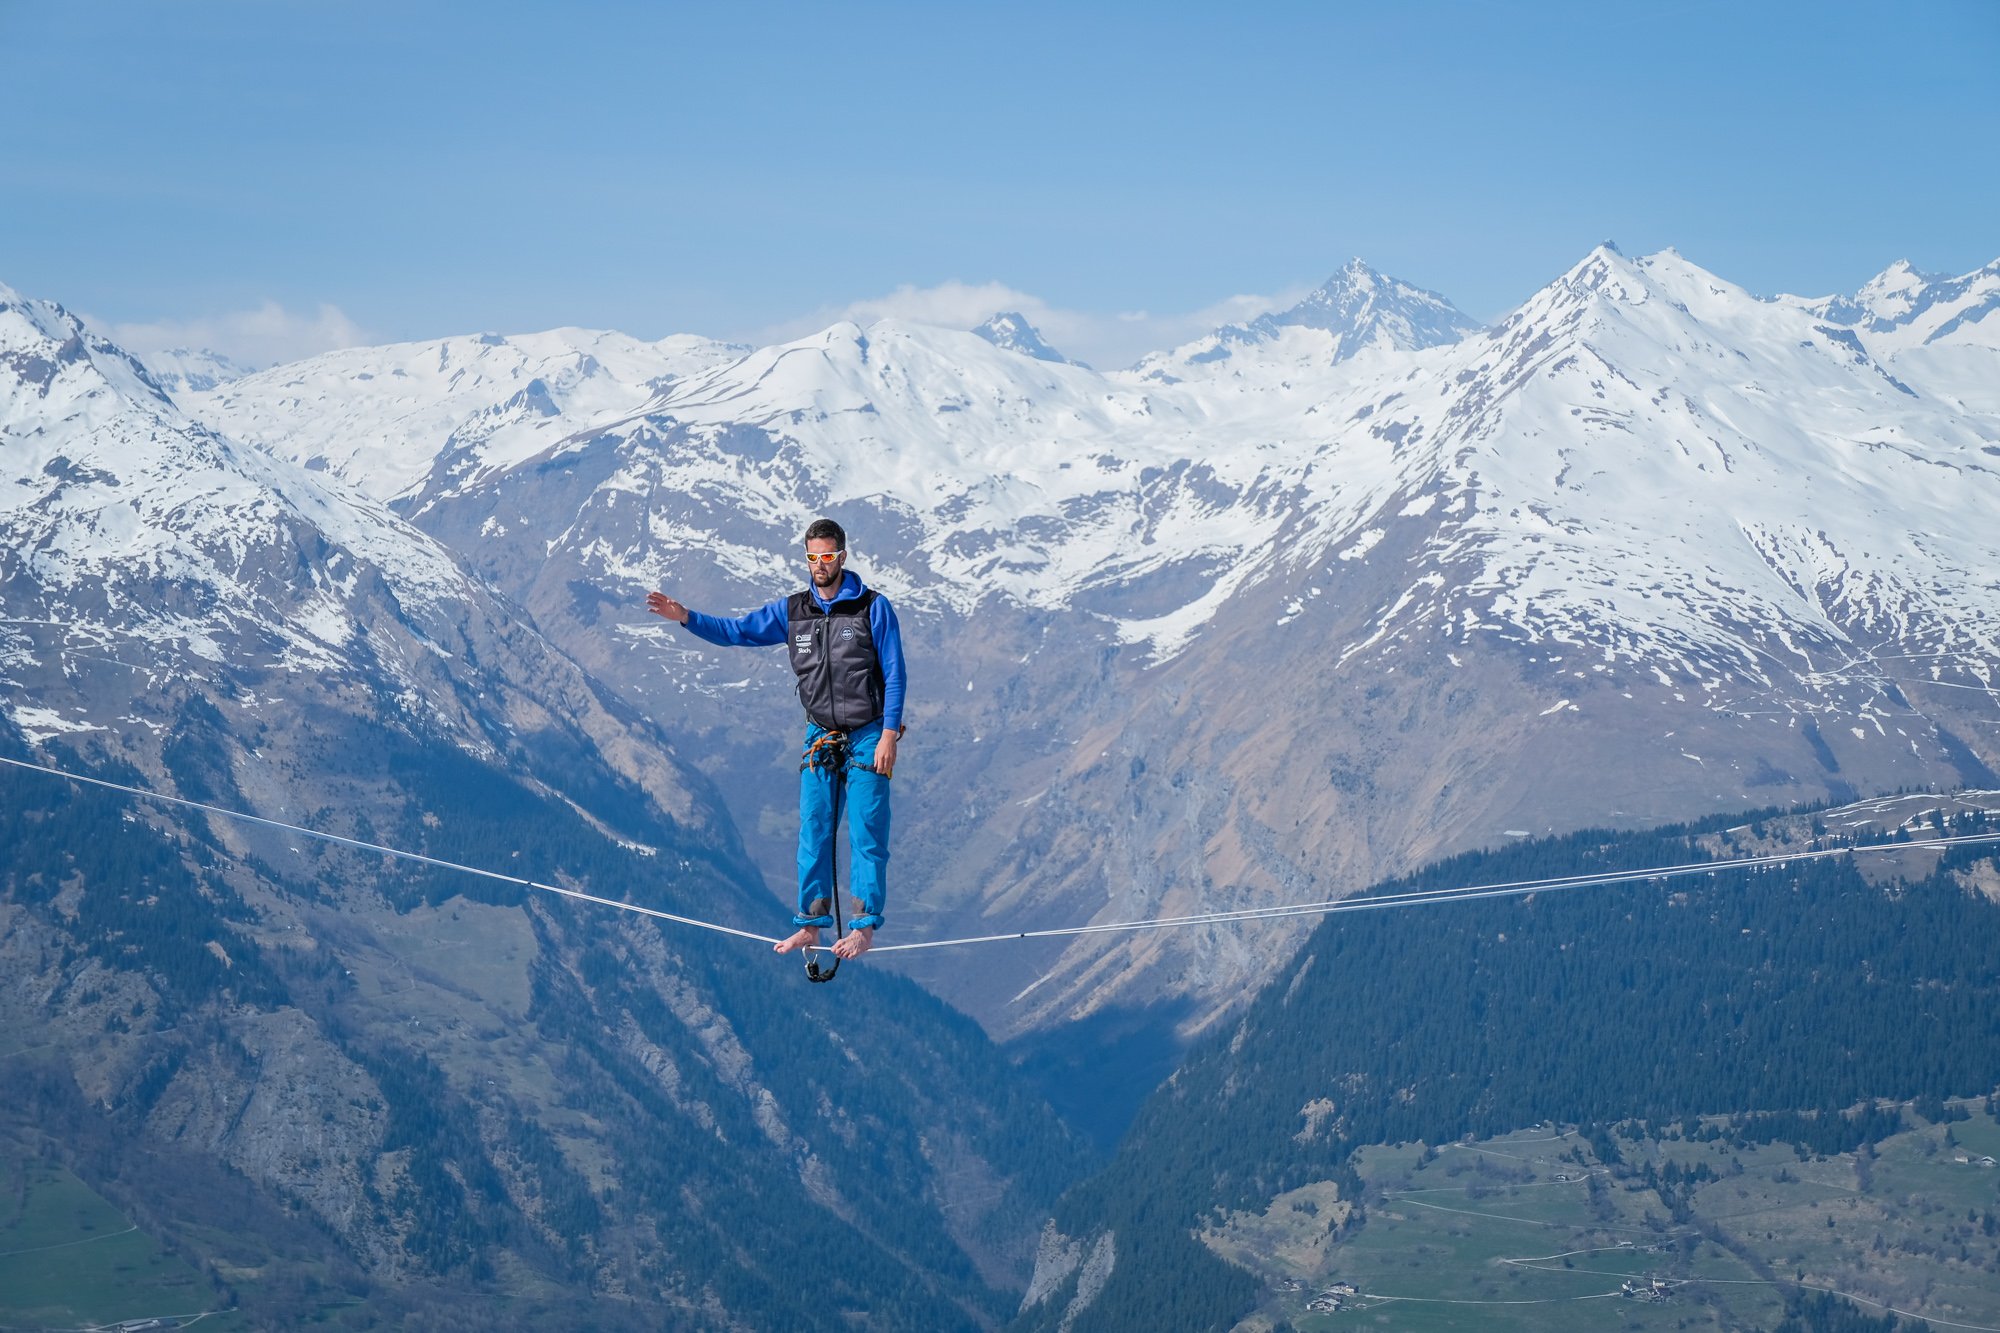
(765, 627)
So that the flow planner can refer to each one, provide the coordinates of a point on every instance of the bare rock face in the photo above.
(1072, 1268)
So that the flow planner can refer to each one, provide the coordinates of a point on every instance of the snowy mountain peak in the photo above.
(1936, 332)
(1892, 292)
(1609, 272)
(1737, 455)
(1363, 307)
(1884, 299)
(1358, 309)
(1009, 329)
(1673, 291)
(929, 406)
(50, 361)
(1932, 307)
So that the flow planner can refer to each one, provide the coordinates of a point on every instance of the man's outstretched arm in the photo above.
(759, 629)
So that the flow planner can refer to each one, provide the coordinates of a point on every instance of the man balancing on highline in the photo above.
(848, 652)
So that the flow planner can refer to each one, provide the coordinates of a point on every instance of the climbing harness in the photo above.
(1367, 903)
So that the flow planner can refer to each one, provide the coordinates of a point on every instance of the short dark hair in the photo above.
(825, 529)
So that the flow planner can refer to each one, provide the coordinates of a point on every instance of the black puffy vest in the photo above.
(833, 652)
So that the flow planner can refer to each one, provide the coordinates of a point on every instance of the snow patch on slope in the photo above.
(130, 523)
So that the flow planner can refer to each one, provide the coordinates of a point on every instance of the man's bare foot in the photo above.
(804, 938)
(855, 943)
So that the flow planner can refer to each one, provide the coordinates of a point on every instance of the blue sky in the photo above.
(380, 171)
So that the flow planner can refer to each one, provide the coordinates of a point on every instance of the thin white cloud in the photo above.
(1107, 341)
(268, 335)
(958, 305)
(1135, 333)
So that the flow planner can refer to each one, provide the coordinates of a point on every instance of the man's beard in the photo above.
(825, 577)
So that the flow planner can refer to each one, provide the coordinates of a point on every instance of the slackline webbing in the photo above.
(1327, 907)
(390, 851)
(1466, 893)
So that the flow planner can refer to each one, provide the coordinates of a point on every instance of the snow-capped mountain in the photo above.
(1645, 446)
(1568, 495)
(1011, 330)
(1049, 483)
(1013, 467)
(153, 569)
(429, 415)
(1648, 546)
(1901, 308)
(1006, 475)
(1357, 310)
(1938, 331)
(351, 1049)
(127, 522)
(189, 370)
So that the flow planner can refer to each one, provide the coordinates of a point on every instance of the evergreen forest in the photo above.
(1801, 993)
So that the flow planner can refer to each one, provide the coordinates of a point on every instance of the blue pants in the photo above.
(867, 803)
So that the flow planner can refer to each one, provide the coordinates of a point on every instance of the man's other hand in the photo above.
(662, 605)
(885, 753)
